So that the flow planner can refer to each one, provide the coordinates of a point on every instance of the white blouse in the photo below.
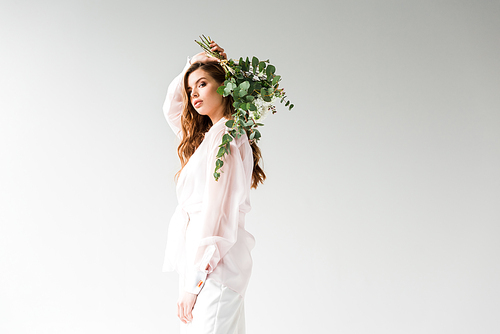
(207, 235)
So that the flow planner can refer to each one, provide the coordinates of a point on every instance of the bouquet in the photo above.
(254, 87)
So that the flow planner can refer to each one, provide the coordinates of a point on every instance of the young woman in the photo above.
(207, 242)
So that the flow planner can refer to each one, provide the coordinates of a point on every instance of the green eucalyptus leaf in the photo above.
(252, 135)
(247, 62)
(262, 66)
(276, 79)
(252, 107)
(221, 152)
(266, 98)
(242, 64)
(220, 90)
(270, 70)
(230, 123)
(257, 134)
(249, 98)
(216, 176)
(252, 87)
(245, 85)
(287, 103)
(291, 106)
(219, 163)
(255, 63)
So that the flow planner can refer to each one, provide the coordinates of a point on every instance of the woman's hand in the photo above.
(202, 57)
(185, 307)
(216, 47)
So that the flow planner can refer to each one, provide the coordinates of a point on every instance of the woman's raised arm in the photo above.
(174, 104)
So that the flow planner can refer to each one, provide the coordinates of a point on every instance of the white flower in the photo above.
(263, 109)
(262, 76)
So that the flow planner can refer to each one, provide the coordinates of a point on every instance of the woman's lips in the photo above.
(197, 103)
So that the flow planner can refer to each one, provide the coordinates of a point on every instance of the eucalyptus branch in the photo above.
(205, 45)
(254, 87)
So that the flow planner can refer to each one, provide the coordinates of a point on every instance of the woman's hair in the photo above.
(194, 126)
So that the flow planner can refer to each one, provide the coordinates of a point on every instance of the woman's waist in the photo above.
(197, 208)
(198, 217)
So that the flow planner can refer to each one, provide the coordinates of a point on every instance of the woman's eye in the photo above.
(203, 84)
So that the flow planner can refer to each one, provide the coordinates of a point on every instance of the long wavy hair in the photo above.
(194, 126)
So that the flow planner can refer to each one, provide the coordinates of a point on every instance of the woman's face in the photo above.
(202, 92)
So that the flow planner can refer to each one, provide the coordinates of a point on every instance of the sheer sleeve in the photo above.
(222, 202)
(173, 105)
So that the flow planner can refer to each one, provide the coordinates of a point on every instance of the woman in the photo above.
(207, 242)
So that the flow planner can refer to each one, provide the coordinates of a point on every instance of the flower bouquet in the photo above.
(254, 87)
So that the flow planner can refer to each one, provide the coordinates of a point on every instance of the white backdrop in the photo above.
(381, 209)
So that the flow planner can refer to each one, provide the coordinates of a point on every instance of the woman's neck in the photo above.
(217, 116)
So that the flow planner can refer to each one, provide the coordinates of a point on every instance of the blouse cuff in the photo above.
(195, 281)
(195, 277)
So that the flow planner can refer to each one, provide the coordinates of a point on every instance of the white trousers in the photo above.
(218, 310)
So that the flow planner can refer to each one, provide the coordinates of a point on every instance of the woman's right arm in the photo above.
(172, 108)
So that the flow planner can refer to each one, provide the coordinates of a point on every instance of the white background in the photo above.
(381, 209)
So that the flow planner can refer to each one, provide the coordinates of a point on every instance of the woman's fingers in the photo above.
(188, 315)
(202, 57)
(185, 307)
(216, 47)
(180, 312)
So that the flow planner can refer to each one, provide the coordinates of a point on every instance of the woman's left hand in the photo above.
(202, 57)
(185, 306)
(216, 47)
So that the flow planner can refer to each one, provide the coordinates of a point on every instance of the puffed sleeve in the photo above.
(220, 212)
(173, 105)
